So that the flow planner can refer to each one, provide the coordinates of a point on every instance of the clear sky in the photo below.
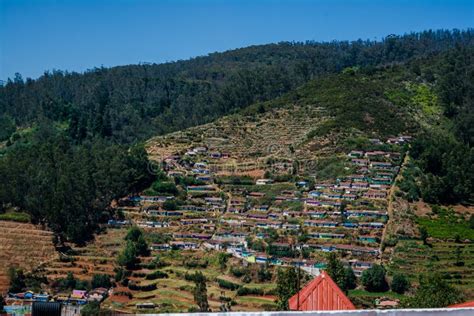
(39, 35)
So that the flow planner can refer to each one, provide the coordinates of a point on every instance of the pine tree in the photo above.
(336, 271)
(200, 292)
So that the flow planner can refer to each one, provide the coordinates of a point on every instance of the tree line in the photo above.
(69, 186)
(134, 102)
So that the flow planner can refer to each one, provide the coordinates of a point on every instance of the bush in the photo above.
(238, 271)
(145, 288)
(374, 280)
(164, 187)
(249, 291)
(195, 263)
(16, 217)
(227, 284)
(434, 292)
(157, 275)
(101, 280)
(190, 277)
(400, 283)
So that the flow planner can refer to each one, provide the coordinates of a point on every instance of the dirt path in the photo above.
(390, 204)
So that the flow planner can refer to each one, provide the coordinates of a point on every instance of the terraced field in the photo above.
(175, 293)
(411, 257)
(24, 246)
(271, 134)
(98, 257)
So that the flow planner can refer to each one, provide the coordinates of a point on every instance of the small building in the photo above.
(321, 294)
(264, 181)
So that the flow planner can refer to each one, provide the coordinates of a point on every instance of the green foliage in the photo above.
(409, 184)
(67, 185)
(70, 283)
(400, 283)
(133, 234)
(170, 205)
(128, 257)
(146, 288)
(222, 259)
(225, 284)
(142, 247)
(350, 279)
(447, 224)
(138, 101)
(7, 127)
(243, 290)
(344, 277)
(101, 280)
(164, 187)
(447, 166)
(158, 237)
(424, 234)
(17, 280)
(16, 217)
(157, 262)
(287, 286)
(156, 275)
(336, 270)
(331, 168)
(92, 309)
(264, 274)
(200, 292)
(433, 292)
(373, 279)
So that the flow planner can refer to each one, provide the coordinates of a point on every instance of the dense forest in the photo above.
(445, 154)
(69, 186)
(138, 101)
(71, 142)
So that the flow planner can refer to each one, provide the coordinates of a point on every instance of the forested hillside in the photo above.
(71, 141)
(138, 101)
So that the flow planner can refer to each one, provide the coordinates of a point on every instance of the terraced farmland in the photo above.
(175, 293)
(98, 257)
(412, 258)
(24, 246)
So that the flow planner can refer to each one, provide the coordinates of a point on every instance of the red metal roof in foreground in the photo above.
(461, 305)
(320, 294)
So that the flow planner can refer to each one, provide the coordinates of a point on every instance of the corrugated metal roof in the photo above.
(462, 305)
(320, 294)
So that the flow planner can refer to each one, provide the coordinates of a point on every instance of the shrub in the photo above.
(195, 263)
(227, 284)
(400, 283)
(101, 280)
(16, 217)
(374, 280)
(157, 275)
(249, 291)
(238, 271)
(145, 288)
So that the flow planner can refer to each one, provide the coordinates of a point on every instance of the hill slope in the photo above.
(324, 117)
(138, 101)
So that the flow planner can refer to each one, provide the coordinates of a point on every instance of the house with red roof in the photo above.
(321, 294)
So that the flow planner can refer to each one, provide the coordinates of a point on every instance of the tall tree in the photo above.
(374, 279)
(200, 291)
(287, 286)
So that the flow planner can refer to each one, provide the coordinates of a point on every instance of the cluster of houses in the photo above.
(76, 297)
(346, 215)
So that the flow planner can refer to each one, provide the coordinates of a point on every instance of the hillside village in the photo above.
(235, 181)
(236, 213)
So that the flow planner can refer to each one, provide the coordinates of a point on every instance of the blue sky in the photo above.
(39, 35)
